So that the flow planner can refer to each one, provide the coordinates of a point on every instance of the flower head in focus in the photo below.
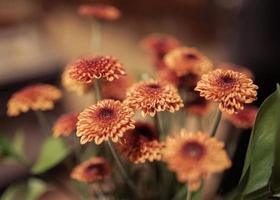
(85, 70)
(99, 11)
(184, 61)
(141, 144)
(116, 89)
(193, 156)
(158, 46)
(73, 85)
(34, 97)
(229, 88)
(65, 125)
(245, 118)
(94, 169)
(108, 119)
(153, 96)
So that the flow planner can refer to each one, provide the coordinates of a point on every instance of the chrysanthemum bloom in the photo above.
(94, 169)
(34, 97)
(244, 118)
(158, 45)
(74, 86)
(231, 89)
(193, 156)
(116, 89)
(186, 61)
(104, 120)
(237, 68)
(85, 70)
(197, 105)
(65, 125)
(141, 144)
(153, 96)
(99, 11)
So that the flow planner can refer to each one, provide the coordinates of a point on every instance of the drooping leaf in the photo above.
(53, 151)
(35, 188)
(264, 141)
(260, 159)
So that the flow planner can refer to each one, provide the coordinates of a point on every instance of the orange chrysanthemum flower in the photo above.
(153, 96)
(244, 118)
(116, 89)
(141, 144)
(99, 11)
(72, 85)
(34, 97)
(158, 45)
(231, 89)
(104, 120)
(184, 61)
(94, 169)
(65, 125)
(85, 70)
(193, 156)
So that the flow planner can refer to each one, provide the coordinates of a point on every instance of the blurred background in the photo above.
(39, 37)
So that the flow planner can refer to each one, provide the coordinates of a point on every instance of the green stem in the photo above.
(216, 124)
(43, 122)
(98, 94)
(189, 195)
(158, 125)
(121, 168)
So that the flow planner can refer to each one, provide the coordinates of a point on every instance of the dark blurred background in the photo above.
(38, 37)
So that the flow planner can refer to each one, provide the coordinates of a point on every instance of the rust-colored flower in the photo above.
(99, 11)
(184, 60)
(231, 89)
(85, 70)
(193, 156)
(244, 118)
(141, 144)
(153, 96)
(196, 104)
(72, 85)
(158, 45)
(104, 120)
(65, 125)
(34, 97)
(238, 68)
(116, 89)
(94, 169)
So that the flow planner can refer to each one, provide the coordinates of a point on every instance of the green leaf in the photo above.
(35, 188)
(275, 178)
(264, 140)
(13, 191)
(53, 151)
(8, 150)
(260, 159)
(18, 144)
